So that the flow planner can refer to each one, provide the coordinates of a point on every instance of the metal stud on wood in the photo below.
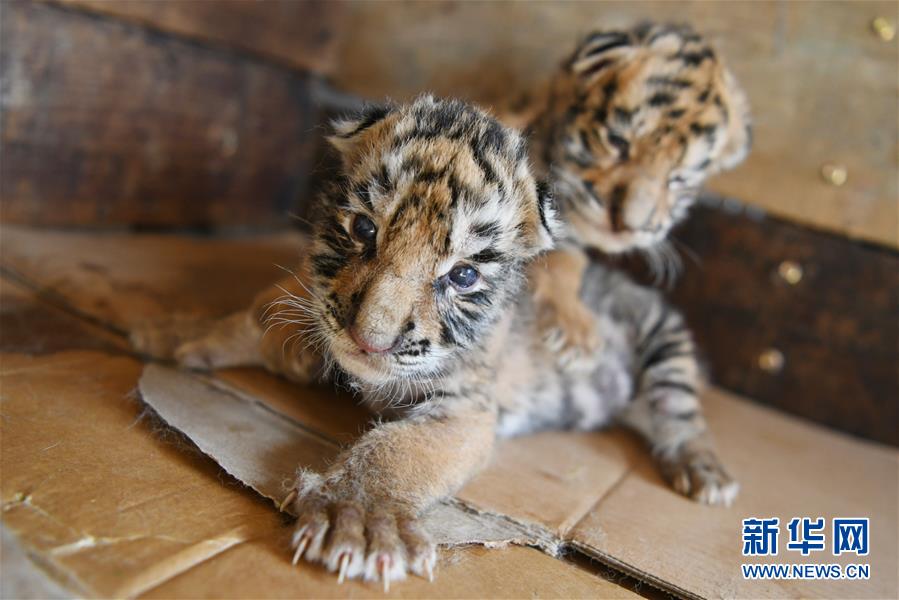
(771, 360)
(790, 271)
(885, 30)
(834, 174)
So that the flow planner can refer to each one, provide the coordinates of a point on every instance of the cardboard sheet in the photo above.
(258, 568)
(597, 493)
(20, 579)
(99, 501)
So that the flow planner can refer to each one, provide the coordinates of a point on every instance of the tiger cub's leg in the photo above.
(360, 517)
(244, 338)
(229, 342)
(567, 326)
(667, 412)
(160, 338)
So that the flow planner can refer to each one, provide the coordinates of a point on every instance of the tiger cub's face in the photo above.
(641, 119)
(421, 245)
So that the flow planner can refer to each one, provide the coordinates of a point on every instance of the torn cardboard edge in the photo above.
(632, 571)
(263, 448)
(21, 580)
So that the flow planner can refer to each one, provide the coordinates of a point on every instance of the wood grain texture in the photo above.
(302, 34)
(120, 280)
(837, 327)
(823, 87)
(106, 123)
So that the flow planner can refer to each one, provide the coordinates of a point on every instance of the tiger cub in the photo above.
(413, 289)
(631, 126)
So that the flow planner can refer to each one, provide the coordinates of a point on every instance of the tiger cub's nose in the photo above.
(372, 344)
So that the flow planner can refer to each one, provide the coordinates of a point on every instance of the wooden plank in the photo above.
(824, 88)
(302, 34)
(106, 123)
(120, 280)
(836, 327)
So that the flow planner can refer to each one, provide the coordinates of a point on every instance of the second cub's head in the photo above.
(421, 243)
(641, 118)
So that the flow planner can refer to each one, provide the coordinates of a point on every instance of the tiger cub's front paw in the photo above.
(568, 330)
(375, 542)
(698, 474)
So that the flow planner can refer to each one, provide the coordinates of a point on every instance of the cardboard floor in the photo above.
(109, 502)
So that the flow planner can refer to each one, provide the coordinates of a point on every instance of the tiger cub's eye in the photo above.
(363, 228)
(463, 276)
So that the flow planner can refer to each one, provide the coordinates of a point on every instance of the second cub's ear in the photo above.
(348, 130)
(599, 52)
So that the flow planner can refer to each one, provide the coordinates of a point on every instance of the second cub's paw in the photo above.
(375, 543)
(699, 474)
(569, 331)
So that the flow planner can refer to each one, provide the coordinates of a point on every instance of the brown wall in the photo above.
(110, 122)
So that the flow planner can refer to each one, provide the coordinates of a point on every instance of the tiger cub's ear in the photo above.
(348, 130)
(739, 124)
(599, 52)
(550, 230)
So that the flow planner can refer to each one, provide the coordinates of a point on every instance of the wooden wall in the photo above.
(110, 122)
(802, 320)
(300, 34)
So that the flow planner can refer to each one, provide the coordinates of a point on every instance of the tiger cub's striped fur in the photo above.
(413, 289)
(632, 125)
